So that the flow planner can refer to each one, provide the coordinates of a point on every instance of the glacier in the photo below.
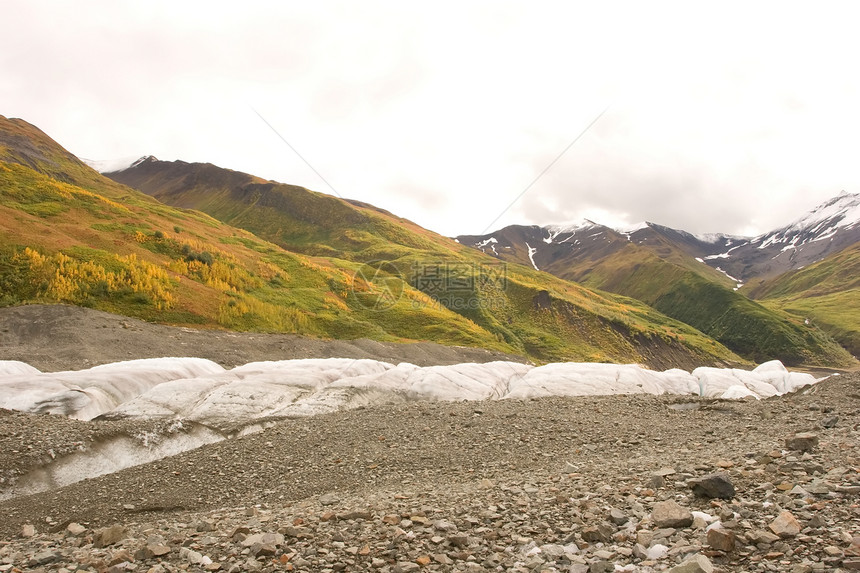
(203, 392)
(203, 403)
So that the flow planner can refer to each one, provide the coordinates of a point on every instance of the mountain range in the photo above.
(198, 245)
(747, 292)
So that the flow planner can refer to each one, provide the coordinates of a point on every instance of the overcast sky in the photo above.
(735, 119)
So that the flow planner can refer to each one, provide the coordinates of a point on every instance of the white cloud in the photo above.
(732, 118)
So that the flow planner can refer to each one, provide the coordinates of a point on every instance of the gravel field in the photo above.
(544, 485)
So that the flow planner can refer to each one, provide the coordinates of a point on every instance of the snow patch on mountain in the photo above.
(629, 230)
(491, 242)
(823, 222)
(566, 228)
(718, 238)
(738, 282)
(532, 252)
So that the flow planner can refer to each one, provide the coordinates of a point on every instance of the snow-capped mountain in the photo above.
(543, 246)
(828, 228)
(841, 212)
(704, 281)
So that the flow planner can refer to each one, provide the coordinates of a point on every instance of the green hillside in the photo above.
(702, 300)
(67, 234)
(826, 293)
(661, 275)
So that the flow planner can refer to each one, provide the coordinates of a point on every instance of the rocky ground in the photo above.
(62, 337)
(581, 484)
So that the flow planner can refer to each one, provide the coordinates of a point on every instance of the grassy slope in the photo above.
(71, 235)
(547, 318)
(673, 283)
(827, 293)
(248, 285)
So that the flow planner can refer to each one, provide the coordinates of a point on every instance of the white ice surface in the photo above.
(85, 394)
(12, 367)
(202, 391)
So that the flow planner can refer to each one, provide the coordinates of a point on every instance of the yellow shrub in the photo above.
(63, 278)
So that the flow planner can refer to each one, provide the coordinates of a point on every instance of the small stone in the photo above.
(670, 514)
(656, 551)
(120, 557)
(28, 530)
(263, 539)
(830, 422)
(297, 532)
(423, 560)
(76, 529)
(406, 567)
(158, 550)
(721, 539)
(818, 487)
(552, 551)
(353, 515)
(617, 516)
(194, 557)
(852, 564)
(444, 525)
(761, 536)
(717, 485)
(802, 442)
(601, 566)
(601, 532)
(785, 525)
(459, 540)
(329, 499)
(696, 564)
(109, 536)
(43, 558)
